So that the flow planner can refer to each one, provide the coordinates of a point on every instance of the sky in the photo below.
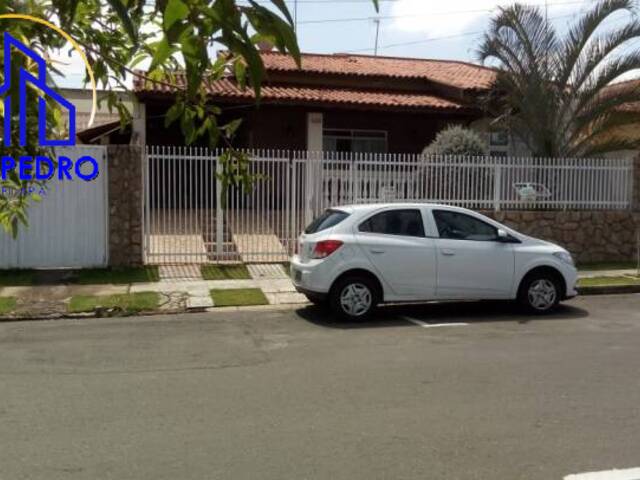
(407, 28)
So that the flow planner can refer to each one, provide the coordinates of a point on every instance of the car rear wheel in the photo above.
(540, 293)
(354, 298)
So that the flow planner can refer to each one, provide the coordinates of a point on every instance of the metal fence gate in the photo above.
(188, 221)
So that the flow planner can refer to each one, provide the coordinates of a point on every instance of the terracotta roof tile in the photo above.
(227, 88)
(466, 76)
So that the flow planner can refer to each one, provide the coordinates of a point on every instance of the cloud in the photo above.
(71, 67)
(455, 16)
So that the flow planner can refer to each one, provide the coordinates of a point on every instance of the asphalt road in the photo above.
(294, 395)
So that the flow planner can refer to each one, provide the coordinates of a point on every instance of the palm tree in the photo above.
(555, 93)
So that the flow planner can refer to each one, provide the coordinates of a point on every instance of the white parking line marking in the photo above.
(629, 474)
(422, 324)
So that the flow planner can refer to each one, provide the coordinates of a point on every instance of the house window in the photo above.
(499, 143)
(359, 141)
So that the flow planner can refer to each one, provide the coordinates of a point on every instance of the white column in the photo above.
(139, 125)
(314, 132)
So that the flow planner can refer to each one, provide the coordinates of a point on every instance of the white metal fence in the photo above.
(187, 221)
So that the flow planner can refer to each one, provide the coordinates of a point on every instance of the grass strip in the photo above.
(225, 272)
(7, 305)
(606, 281)
(238, 297)
(127, 302)
(630, 265)
(17, 278)
(118, 276)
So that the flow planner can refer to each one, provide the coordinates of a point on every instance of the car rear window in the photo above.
(328, 219)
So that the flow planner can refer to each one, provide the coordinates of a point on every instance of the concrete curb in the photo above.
(156, 313)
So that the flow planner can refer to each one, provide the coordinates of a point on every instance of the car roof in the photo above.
(364, 207)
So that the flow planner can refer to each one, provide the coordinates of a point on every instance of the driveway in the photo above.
(414, 394)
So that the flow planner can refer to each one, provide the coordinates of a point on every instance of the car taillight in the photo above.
(325, 248)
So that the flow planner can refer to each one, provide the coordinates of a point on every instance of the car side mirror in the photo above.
(504, 237)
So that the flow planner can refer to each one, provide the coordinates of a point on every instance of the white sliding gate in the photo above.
(68, 228)
(187, 221)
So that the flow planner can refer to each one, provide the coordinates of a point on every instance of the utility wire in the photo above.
(434, 39)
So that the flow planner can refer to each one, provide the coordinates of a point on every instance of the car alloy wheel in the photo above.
(356, 299)
(542, 294)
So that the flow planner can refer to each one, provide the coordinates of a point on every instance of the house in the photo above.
(106, 123)
(339, 102)
(83, 101)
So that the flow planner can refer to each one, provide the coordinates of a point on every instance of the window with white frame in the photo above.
(358, 141)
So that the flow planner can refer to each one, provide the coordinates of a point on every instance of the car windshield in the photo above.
(328, 219)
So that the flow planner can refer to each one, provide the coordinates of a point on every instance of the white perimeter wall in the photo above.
(69, 227)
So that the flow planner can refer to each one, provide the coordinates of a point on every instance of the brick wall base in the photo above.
(590, 236)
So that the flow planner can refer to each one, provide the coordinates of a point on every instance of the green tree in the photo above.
(457, 140)
(553, 91)
(117, 35)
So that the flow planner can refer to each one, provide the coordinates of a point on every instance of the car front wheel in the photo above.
(354, 298)
(540, 293)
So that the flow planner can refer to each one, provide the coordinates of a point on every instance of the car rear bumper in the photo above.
(313, 276)
(320, 296)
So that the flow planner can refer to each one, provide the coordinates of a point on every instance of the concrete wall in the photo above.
(125, 205)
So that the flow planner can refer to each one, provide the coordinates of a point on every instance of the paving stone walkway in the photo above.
(261, 271)
(180, 272)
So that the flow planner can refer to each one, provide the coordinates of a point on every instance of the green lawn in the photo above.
(604, 281)
(7, 304)
(89, 276)
(608, 266)
(17, 278)
(128, 302)
(96, 276)
(238, 297)
(224, 272)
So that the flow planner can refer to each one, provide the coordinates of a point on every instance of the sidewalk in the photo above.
(179, 288)
(180, 291)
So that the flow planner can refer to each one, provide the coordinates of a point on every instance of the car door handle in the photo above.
(376, 252)
(448, 253)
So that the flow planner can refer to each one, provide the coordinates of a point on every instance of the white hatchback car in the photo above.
(356, 257)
